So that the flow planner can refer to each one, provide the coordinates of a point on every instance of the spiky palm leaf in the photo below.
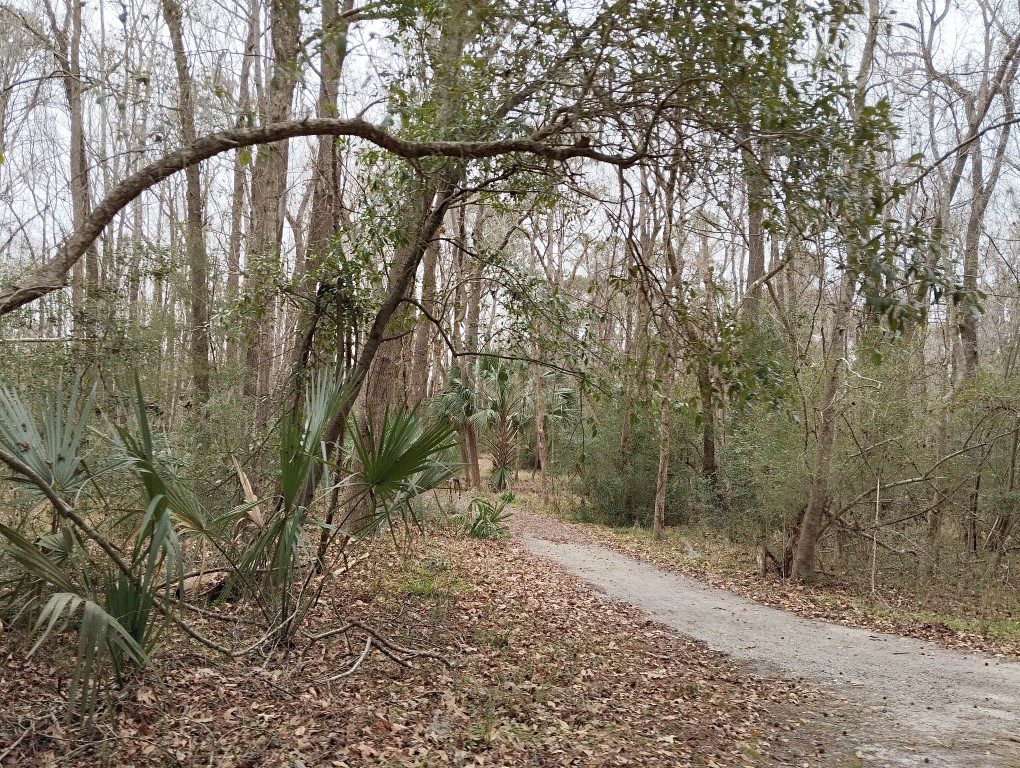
(100, 634)
(400, 461)
(276, 551)
(400, 457)
(157, 543)
(457, 404)
(301, 435)
(49, 440)
(487, 520)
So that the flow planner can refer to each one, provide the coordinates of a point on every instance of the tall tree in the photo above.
(194, 232)
(268, 202)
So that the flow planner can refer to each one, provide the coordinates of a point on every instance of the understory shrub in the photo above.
(107, 524)
(619, 493)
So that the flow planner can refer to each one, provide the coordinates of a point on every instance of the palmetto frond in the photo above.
(48, 440)
(157, 542)
(274, 555)
(400, 461)
(99, 632)
(403, 456)
(301, 435)
(457, 404)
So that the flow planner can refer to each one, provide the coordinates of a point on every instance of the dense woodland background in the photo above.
(746, 267)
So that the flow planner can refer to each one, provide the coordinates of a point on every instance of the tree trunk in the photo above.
(194, 237)
(703, 373)
(268, 194)
(85, 278)
(709, 463)
(811, 527)
(326, 184)
(662, 478)
(424, 331)
(756, 190)
(998, 536)
(474, 470)
(972, 240)
(237, 199)
(541, 444)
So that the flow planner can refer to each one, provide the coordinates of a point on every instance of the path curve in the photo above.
(923, 705)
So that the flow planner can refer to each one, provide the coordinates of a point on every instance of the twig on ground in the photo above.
(357, 662)
(391, 650)
(17, 741)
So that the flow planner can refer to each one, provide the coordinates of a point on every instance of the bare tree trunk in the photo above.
(424, 212)
(541, 444)
(706, 390)
(818, 498)
(662, 478)
(237, 199)
(475, 275)
(268, 193)
(972, 240)
(756, 190)
(803, 565)
(386, 373)
(424, 331)
(198, 261)
(325, 211)
(474, 470)
(703, 373)
(85, 278)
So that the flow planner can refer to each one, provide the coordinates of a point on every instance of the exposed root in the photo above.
(396, 653)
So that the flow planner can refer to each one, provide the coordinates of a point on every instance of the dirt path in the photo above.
(921, 705)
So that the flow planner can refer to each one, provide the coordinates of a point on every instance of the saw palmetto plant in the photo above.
(48, 437)
(52, 576)
(392, 466)
(118, 584)
(501, 411)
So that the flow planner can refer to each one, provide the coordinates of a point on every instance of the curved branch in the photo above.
(52, 275)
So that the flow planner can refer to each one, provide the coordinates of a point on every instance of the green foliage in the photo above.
(121, 609)
(48, 580)
(53, 577)
(274, 556)
(99, 633)
(501, 409)
(402, 460)
(763, 478)
(112, 610)
(456, 404)
(619, 489)
(301, 450)
(486, 519)
(50, 445)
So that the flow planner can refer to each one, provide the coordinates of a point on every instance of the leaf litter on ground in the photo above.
(544, 672)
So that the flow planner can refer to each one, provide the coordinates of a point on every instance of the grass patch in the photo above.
(999, 629)
(429, 579)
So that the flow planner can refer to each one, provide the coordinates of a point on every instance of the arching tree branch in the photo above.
(52, 275)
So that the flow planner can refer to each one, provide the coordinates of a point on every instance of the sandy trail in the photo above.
(921, 704)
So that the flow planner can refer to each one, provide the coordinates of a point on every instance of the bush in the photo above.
(485, 519)
(617, 493)
(112, 566)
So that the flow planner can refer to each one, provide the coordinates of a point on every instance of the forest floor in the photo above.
(543, 671)
(921, 702)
